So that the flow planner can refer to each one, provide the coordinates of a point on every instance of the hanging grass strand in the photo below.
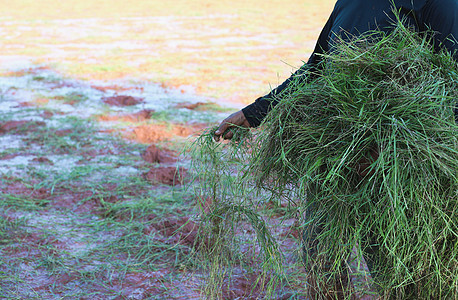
(374, 139)
(371, 147)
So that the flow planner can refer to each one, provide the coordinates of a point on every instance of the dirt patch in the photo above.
(81, 201)
(122, 100)
(63, 132)
(20, 126)
(10, 156)
(191, 106)
(25, 104)
(43, 160)
(176, 230)
(27, 244)
(167, 175)
(40, 101)
(90, 153)
(65, 278)
(293, 231)
(63, 84)
(78, 202)
(140, 116)
(47, 114)
(241, 287)
(115, 87)
(108, 131)
(139, 285)
(153, 154)
(40, 238)
(23, 72)
(18, 188)
(148, 134)
(143, 285)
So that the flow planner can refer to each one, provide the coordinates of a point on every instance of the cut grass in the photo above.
(371, 144)
(236, 230)
(383, 106)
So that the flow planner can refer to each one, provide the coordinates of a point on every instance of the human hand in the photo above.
(234, 120)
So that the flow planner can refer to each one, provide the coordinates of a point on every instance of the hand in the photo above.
(234, 120)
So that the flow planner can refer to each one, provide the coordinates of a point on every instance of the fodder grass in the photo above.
(371, 144)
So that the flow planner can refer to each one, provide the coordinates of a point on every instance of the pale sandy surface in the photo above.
(226, 50)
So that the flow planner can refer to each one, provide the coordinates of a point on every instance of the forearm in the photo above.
(441, 16)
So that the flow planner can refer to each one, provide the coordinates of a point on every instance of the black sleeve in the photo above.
(257, 111)
(441, 16)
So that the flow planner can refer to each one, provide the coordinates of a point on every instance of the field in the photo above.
(97, 102)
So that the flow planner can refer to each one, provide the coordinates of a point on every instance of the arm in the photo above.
(441, 16)
(253, 114)
(257, 111)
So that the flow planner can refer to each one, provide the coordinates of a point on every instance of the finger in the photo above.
(228, 135)
(217, 135)
(222, 128)
(220, 131)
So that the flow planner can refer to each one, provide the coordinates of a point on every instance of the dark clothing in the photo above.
(353, 17)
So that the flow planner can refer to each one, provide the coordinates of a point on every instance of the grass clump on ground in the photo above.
(371, 144)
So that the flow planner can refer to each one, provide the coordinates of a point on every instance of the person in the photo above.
(348, 19)
(351, 18)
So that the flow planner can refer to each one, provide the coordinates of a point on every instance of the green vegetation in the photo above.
(236, 230)
(373, 139)
(369, 147)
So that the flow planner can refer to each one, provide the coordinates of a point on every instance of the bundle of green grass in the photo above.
(371, 144)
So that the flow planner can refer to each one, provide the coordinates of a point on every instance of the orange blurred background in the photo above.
(230, 51)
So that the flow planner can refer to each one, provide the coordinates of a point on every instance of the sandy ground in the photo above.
(231, 51)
